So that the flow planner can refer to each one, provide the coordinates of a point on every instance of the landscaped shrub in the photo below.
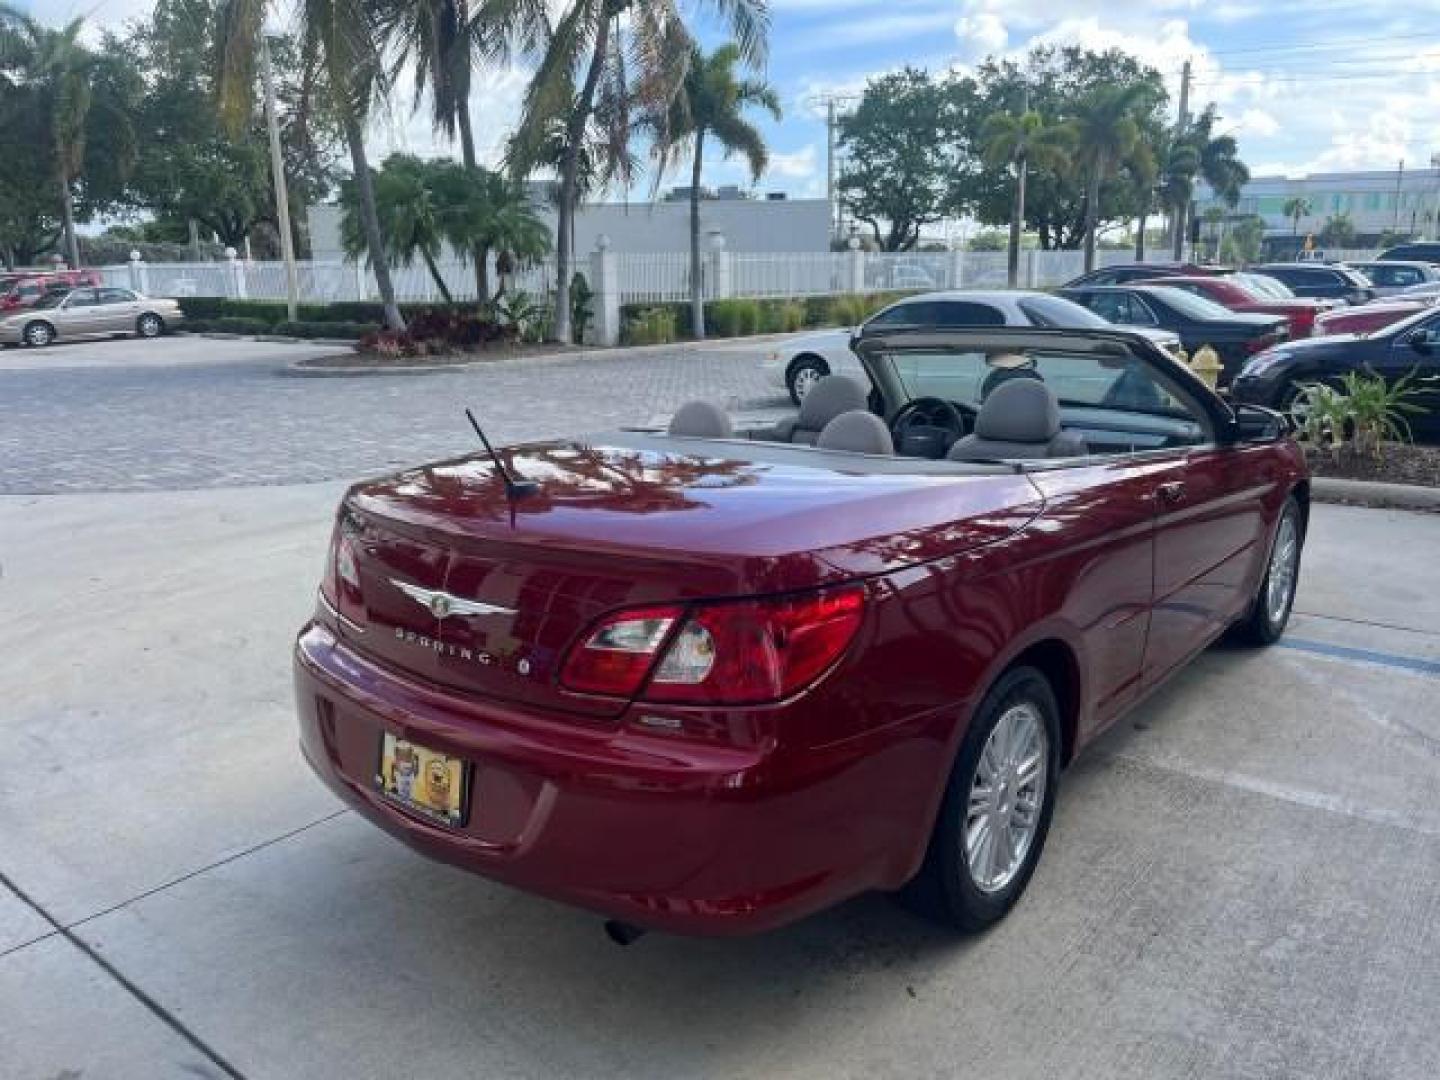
(303, 329)
(733, 318)
(848, 310)
(649, 326)
(782, 316)
(437, 331)
(235, 325)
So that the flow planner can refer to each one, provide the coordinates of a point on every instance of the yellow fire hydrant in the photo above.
(1206, 364)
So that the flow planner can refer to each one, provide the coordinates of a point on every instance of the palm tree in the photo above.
(710, 103)
(1021, 141)
(1295, 208)
(589, 39)
(442, 43)
(412, 219)
(54, 73)
(341, 39)
(1106, 129)
(509, 226)
(1217, 162)
(1141, 171)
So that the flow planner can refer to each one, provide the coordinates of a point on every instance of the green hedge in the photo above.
(271, 311)
(348, 330)
(740, 318)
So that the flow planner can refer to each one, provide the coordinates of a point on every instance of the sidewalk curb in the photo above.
(304, 367)
(1373, 493)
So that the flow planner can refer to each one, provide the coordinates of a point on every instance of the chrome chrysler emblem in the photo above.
(442, 604)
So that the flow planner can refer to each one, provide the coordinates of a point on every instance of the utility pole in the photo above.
(1399, 182)
(830, 165)
(282, 193)
(1182, 120)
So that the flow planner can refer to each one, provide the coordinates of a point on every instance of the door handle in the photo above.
(1170, 492)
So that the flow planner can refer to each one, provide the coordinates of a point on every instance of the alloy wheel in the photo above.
(1280, 580)
(38, 334)
(1007, 794)
(149, 326)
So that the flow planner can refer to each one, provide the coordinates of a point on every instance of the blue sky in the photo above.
(1313, 85)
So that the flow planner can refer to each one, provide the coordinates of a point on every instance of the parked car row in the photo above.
(25, 288)
(802, 362)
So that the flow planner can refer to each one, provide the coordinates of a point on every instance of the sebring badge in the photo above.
(442, 604)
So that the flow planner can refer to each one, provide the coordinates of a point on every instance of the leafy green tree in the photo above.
(1338, 231)
(900, 157)
(192, 167)
(630, 56)
(442, 43)
(710, 104)
(1020, 141)
(1199, 152)
(71, 109)
(1106, 132)
(341, 48)
(1296, 209)
(412, 220)
(1243, 242)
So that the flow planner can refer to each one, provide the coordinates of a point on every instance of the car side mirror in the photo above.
(1255, 424)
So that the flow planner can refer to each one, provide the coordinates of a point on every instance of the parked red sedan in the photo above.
(1367, 318)
(22, 289)
(1232, 294)
(713, 681)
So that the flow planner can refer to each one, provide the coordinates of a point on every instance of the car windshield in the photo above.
(967, 376)
(1059, 313)
(1188, 304)
(1408, 323)
(1265, 286)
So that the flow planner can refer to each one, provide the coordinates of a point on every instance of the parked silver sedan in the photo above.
(89, 312)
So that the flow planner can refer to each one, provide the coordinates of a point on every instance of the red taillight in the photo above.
(617, 655)
(725, 653)
(340, 584)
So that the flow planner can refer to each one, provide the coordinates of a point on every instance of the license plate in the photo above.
(422, 780)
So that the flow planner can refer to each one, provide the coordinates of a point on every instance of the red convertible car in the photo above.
(711, 681)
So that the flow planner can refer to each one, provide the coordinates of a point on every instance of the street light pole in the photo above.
(282, 194)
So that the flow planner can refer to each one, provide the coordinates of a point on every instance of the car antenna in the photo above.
(514, 489)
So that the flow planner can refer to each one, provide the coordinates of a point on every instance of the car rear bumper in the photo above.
(662, 832)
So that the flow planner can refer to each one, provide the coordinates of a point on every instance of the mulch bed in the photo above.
(1400, 463)
(380, 360)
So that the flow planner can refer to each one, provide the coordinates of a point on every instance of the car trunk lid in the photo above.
(476, 593)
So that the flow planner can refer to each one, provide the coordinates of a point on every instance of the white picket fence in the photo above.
(640, 277)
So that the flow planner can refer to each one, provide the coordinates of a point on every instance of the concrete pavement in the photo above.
(1241, 880)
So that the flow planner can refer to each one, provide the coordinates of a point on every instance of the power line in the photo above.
(1313, 46)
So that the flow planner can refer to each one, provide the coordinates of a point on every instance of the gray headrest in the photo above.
(1020, 410)
(702, 419)
(828, 398)
(858, 431)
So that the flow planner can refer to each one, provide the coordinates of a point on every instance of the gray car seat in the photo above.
(701, 419)
(827, 399)
(859, 431)
(1020, 419)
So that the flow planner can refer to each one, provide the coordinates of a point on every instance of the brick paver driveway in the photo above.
(196, 412)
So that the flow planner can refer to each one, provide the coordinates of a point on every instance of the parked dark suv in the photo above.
(1421, 252)
(1328, 281)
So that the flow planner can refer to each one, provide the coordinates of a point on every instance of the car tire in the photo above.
(38, 334)
(963, 883)
(805, 371)
(149, 325)
(1273, 601)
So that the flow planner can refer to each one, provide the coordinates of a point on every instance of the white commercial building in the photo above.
(747, 226)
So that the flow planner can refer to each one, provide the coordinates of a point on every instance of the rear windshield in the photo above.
(1188, 304)
(1058, 313)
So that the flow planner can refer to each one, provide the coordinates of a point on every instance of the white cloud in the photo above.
(981, 34)
(1257, 122)
(798, 165)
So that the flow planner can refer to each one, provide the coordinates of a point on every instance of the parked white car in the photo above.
(797, 364)
(1391, 278)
